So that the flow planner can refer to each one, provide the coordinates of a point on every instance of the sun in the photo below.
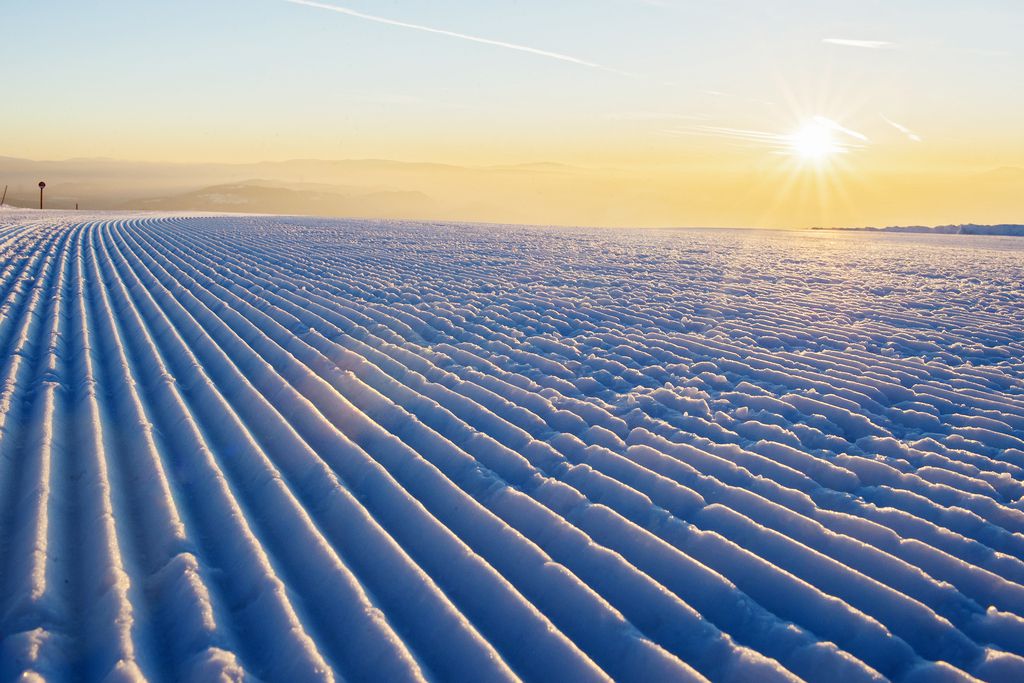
(814, 142)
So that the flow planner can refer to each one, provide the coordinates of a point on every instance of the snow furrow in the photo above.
(603, 626)
(302, 449)
(39, 610)
(338, 504)
(275, 642)
(347, 620)
(185, 631)
(437, 446)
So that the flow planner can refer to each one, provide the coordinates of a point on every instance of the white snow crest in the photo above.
(242, 448)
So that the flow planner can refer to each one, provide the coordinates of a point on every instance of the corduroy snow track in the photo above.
(294, 449)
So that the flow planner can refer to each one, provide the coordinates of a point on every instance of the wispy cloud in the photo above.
(847, 140)
(834, 126)
(911, 135)
(865, 44)
(461, 36)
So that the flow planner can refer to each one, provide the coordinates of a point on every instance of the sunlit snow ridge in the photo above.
(304, 449)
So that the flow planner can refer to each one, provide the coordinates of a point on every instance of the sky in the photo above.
(802, 106)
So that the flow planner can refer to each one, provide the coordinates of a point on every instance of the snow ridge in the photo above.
(300, 449)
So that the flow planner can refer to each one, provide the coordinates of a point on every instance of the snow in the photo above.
(277, 448)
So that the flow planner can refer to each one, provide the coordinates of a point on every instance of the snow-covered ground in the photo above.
(301, 449)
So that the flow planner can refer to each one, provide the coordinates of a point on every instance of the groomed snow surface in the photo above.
(300, 449)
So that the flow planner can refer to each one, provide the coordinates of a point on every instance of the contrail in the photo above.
(776, 140)
(829, 123)
(453, 34)
(901, 128)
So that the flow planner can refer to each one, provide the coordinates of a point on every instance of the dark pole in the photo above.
(41, 186)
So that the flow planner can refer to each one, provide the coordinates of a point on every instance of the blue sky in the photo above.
(229, 79)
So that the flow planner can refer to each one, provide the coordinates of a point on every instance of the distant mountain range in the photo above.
(371, 188)
(691, 193)
(1005, 229)
(261, 197)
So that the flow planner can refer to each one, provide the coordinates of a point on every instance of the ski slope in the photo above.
(300, 450)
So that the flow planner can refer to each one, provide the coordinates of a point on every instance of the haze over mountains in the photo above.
(545, 193)
(1006, 230)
